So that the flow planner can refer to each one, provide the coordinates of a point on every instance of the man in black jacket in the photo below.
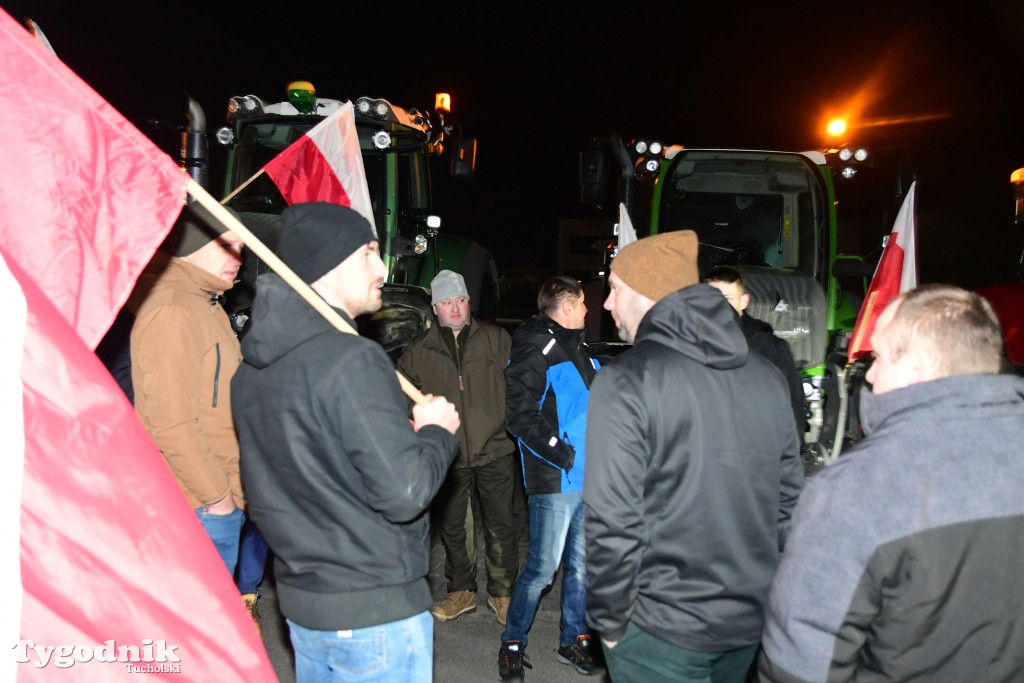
(693, 471)
(761, 337)
(336, 478)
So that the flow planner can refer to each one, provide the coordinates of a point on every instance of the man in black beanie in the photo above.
(183, 354)
(693, 469)
(337, 479)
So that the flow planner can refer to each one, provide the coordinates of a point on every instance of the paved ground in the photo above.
(465, 649)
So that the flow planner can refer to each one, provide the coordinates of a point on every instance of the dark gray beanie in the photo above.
(317, 236)
(193, 230)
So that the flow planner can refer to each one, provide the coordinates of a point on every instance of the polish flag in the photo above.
(97, 543)
(896, 273)
(325, 165)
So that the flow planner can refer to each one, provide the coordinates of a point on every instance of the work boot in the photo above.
(579, 654)
(511, 660)
(456, 603)
(499, 606)
(249, 600)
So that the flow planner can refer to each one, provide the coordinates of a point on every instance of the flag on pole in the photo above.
(896, 273)
(625, 229)
(114, 566)
(325, 165)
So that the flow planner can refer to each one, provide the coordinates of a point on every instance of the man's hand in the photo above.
(436, 411)
(224, 506)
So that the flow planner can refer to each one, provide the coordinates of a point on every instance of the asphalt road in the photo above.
(466, 648)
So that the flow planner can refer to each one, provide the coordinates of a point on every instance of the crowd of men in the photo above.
(667, 483)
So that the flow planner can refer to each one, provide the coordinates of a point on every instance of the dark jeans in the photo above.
(493, 485)
(252, 559)
(642, 658)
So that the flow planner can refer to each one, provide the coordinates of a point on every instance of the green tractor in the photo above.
(397, 147)
(772, 215)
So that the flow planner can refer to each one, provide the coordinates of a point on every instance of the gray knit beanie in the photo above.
(447, 284)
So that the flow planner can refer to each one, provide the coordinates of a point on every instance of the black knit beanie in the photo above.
(317, 236)
(193, 230)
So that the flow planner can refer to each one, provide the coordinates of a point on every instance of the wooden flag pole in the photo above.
(196, 191)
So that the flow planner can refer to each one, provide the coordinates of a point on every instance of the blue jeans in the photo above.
(252, 559)
(225, 531)
(556, 534)
(398, 652)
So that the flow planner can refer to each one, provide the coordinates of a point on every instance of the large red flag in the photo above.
(896, 273)
(325, 165)
(85, 197)
(116, 575)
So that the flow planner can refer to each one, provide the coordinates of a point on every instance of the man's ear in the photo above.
(744, 302)
(925, 364)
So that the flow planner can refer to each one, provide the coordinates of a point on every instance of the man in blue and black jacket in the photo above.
(549, 380)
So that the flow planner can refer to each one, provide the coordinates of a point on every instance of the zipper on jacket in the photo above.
(458, 363)
(216, 375)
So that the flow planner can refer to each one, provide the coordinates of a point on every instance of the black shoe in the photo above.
(511, 660)
(579, 655)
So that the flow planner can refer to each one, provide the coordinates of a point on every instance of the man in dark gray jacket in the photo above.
(336, 478)
(906, 555)
(693, 470)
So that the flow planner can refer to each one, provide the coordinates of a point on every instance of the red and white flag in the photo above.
(113, 563)
(896, 273)
(325, 165)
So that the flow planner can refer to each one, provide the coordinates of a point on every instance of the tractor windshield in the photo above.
(747, 208)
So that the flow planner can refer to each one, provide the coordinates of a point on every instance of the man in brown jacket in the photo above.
(465, 360)
(184, 353)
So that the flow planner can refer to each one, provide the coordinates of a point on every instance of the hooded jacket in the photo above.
(693, 470)
(470, 374)
(337, 480)
(183, 354)
(907, 552)
(549, 379)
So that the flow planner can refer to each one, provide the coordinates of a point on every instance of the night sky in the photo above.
(533, 82)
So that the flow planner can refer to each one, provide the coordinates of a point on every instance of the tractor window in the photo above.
(747, 208)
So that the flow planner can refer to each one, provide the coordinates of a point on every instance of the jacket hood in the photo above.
(540, 324)
(281, 321)
(959, 393)
(699, 323)
(164, 271)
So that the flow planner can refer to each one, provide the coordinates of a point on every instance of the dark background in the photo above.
(533, 82)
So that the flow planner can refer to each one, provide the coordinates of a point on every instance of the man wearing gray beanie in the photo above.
(692, 474)
(336, 477)
(465, 360)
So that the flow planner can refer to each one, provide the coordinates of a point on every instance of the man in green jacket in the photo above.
(465, 360)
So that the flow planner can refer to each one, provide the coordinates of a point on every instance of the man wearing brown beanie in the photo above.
(337, 480)
(692, 473)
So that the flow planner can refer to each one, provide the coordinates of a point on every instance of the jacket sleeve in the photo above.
(791, 483)
(525, 392)
(400, 470)
(167, 365)
(808, 637)
(614, 525)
